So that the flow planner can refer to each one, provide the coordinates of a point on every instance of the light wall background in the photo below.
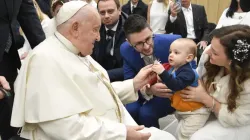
(214, 8)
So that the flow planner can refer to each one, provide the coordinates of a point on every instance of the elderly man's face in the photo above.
(142, 41)
(109, 12)
(88, 34)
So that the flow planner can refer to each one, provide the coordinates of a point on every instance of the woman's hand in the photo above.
(196, 94)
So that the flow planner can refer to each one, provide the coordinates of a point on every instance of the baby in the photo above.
(179, 76)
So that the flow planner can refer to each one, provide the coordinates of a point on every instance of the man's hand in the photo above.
(202, 44)
(161, 90)
(5, 85)
(143, 77)
(133, 134)
(174, 8)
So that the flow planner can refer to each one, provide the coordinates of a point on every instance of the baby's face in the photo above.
(178, 55)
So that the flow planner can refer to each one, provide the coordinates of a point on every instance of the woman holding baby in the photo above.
(224, 86)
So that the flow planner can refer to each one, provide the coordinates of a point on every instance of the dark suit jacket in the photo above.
(185, 76)
(113, 64)
(132, 61)
(45, 6)
(25, 13)
(200, 24)
(141, 9)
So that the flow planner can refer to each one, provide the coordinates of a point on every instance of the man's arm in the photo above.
(30, 24)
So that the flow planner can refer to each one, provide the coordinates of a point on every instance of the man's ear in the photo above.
(190, 57)
(75, 29)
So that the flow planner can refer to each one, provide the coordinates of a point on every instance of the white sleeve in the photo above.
(81, 127)
(172, 19)
(222, 19)
(125, 91)
(241, 115)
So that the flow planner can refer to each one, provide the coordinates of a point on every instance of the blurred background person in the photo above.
(158, 15)
(107, 51)
(191, 22)
(44, 19)
(135, 7)
(235, 14)
(12, 11)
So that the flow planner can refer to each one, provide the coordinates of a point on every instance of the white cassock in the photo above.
(62, 96)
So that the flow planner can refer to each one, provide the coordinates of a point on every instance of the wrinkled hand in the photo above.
(143, 77)
(5, 85)
(24, 55)
(202, 44)
(158, 68)
(133, 134)
(161, 90)
(196, 94)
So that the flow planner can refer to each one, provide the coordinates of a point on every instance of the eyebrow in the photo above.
(144, 39)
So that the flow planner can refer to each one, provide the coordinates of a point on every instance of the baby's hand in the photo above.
(158, 68)
(145, 88)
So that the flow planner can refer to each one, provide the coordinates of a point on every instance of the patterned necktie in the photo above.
(8, 43)
(148, 60)
(110, 34)
(133, 9)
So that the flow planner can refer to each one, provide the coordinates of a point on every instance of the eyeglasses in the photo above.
(148, 40)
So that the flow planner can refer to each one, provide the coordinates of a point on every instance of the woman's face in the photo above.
(217, 54)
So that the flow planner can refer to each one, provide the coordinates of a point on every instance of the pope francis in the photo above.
(63, 94)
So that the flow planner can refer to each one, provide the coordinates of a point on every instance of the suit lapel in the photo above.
(182, 20)
(195, 16)
(9, 5)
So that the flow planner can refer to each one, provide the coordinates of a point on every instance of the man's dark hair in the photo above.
(135, 24)
(117, 3)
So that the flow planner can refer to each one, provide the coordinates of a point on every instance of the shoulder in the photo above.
(45, 52)
(125, 48)
(126, 5)
(166, 37)
(198, 7)
(187, 71)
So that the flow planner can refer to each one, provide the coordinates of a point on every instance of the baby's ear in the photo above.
(189, 57)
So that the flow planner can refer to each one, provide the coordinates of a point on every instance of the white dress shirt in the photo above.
(132, 5)
(188, 15)
(113, 39)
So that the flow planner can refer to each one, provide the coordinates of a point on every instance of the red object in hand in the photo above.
(167, 66)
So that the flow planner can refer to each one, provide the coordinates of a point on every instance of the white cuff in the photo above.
(172, 19)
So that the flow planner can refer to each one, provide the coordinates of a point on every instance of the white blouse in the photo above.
(158, 17)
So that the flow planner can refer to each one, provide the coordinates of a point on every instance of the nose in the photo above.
(106, 15)
(98, 37)
(146, 46)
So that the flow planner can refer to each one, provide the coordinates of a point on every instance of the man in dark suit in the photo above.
(135, 7)
(45, 6)
(107, 51)
(190, 22)
(25, 13)
(142, 48)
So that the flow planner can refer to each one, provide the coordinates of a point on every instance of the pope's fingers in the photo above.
(145, 136)
(147, 67)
